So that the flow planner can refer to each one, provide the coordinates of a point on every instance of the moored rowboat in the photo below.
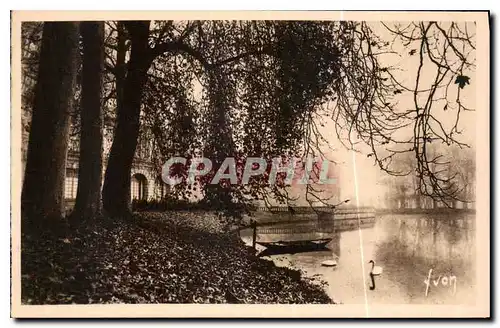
(315, 243)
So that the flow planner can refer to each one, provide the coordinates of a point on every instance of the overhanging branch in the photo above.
(181, 47)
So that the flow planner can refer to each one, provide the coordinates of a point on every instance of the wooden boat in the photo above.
(300, 244)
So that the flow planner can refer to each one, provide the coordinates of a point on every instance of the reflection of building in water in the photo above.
(334, 245)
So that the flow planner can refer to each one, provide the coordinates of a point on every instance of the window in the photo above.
(161, 188)
(71, 184)
(138, 187)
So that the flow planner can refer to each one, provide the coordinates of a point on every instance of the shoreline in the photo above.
(167, 257)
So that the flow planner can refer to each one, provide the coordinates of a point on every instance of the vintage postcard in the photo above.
(250, 164)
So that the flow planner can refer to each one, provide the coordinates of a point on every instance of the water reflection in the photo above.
(408, 247)
(443, 245)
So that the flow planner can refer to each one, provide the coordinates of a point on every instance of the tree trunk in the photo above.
(42, 195)
(88, 197)
(116, 190)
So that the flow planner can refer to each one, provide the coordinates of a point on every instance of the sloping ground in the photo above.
(156, 258)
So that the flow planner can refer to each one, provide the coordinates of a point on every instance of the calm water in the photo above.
(406, 247)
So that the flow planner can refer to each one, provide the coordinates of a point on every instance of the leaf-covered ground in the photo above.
(177, 257)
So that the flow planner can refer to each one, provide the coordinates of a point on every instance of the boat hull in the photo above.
(292, 247)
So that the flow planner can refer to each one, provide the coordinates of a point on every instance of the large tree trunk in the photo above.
(116, 190)
(88, 197)
(42, 195)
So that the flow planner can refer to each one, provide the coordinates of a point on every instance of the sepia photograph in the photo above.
(293, 164)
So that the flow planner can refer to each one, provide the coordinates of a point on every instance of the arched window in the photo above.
(138, 187)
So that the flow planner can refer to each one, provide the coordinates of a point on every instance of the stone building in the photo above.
(146, 184)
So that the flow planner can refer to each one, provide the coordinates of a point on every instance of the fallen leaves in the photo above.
(178, 257)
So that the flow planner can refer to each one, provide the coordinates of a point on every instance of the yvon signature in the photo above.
(447, 281)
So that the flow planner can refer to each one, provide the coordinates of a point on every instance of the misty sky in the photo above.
(371, 193)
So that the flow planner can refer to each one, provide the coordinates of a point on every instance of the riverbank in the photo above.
(176, 257)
